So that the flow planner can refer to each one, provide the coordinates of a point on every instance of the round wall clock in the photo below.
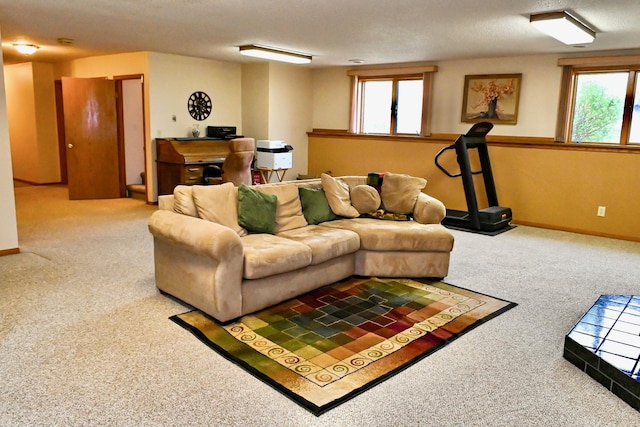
(199, 105)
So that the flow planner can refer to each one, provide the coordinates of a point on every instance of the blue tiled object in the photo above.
(605, 344)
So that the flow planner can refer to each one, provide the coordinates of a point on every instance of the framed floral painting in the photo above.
(491, 98)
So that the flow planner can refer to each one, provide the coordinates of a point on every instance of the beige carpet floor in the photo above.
(85, 338)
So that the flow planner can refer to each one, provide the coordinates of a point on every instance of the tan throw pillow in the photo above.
(337, 193)
(289, 209)
(400, 192)
(183, 201)
(219, 204)
(365, 198)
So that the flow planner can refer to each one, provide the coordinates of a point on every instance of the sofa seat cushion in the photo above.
(325, 243)
(268, 255)
(410, 236)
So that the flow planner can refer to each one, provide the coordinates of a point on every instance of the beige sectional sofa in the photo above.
(205, 255)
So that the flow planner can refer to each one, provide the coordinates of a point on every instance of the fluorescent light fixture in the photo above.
(26, 48)
(564, 27)
(274, 54)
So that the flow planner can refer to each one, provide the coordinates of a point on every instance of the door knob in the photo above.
(70, 145)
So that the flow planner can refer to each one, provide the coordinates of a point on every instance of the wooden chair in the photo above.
(237, 166)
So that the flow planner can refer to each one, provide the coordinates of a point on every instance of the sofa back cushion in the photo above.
(289, 209)
(337, 193)
(183, 201)
(365, 198)
(400, 192)
(219, 204)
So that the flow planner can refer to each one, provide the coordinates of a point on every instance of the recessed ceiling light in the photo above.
(357, 61)
(65, 41)
(26, 48)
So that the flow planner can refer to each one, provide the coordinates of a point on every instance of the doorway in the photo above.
(124, 96)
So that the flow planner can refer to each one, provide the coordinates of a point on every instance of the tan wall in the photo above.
(33, 127)
(255, 100)
(552, 187)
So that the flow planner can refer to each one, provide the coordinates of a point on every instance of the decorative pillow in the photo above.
(315, 206)
(219, 204)
(400, 192)
(289, 210)
(337, 193)
(256, 210)
(183, 200)
(365, 198)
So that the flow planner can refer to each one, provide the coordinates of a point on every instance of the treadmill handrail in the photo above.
(449, 174)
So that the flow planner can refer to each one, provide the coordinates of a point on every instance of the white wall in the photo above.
(172, 79)
(169, 80)
(331, 101)
(276, 105)
(290, 111)
(132, 112)
(538, 106)
(8, 224)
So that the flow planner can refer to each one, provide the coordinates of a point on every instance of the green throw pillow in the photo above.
(315, 206)
(256, 210)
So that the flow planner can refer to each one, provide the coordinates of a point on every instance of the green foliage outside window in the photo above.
(597, 115)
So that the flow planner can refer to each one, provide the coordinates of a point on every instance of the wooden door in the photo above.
(91, 131)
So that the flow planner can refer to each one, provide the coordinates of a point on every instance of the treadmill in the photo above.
(493, 219)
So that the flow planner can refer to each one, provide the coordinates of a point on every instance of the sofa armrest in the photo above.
(196, 235)
(428, 210)
(199, 262)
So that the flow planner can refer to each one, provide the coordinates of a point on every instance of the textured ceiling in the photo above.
(333, 31)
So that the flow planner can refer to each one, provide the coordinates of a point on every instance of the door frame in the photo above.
(121, 148)
(62, 149)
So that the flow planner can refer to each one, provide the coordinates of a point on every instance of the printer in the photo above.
(222, 132)
(273, 154)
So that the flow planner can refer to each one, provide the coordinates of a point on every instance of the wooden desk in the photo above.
(267, 173)
(183, 161)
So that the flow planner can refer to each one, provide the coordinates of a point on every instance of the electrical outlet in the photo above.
(602, 210)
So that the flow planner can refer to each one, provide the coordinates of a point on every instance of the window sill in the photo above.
(503, 141)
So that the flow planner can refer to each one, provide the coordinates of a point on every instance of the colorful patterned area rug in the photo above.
(332, 344)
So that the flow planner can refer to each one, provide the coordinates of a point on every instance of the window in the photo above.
(391, 102)
(603, 105)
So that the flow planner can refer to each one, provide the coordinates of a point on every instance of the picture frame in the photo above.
(491, 98)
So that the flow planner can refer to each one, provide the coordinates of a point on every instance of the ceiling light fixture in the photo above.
(564, 27)
(26, 48)
(274, 54)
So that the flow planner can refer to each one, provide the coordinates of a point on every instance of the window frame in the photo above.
(572, 68)
(359, 76)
